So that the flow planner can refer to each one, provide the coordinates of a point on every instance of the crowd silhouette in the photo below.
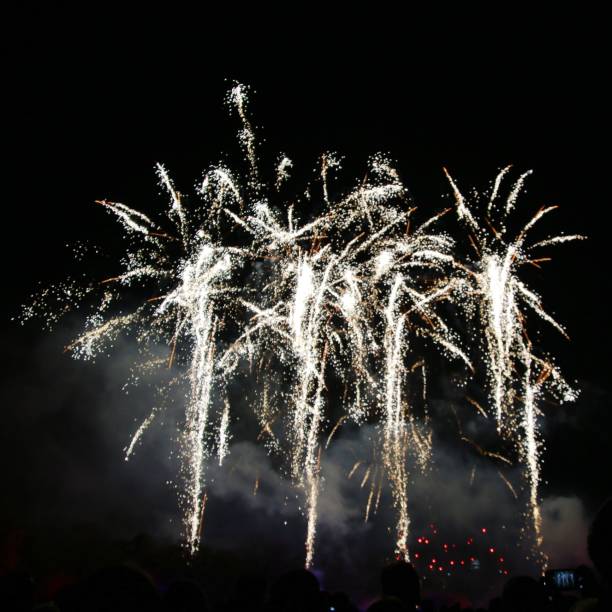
(126, 587)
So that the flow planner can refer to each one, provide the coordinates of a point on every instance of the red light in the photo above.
(452, 563)
(420, 540)
(440, 568)
(426, 541)
(501, 559)
(470, 540)
(505, 572)
(484, 530)
(472, 558)
(491, 550)
(430, 567)
(462, 562)
(416, 555)
(433, 561)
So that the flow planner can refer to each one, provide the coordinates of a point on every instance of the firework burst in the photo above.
(492, 292)
(344, 288)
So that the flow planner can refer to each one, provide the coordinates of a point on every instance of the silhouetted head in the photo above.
(401, 580)
(68, 597)
(524, 594)
(247, 593)
(16, 591)
(296, 590)
(184, 596)
(118, 589)
(496, 605)
(588, 581)
(389, 604)
(600, 542)
(340, 602)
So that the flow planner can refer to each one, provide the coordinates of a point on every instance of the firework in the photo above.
(493, 293)
(321, 286)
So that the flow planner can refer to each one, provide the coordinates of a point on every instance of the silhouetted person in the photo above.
(296, 591)
(184, 596)
(16, 592)
(427, 605)
(524, 594)
(389, 604)
(249, 593)
(600, 547)
(341, 603)
(400, 588)
(497, 605)
(588, 580)
(118, 589)
(68, 597)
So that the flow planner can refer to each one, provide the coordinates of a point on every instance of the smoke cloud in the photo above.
(65, 463)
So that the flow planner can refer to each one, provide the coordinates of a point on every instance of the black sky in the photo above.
(92, 99)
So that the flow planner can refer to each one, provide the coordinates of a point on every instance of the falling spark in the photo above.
(472, 475)
(478, 407)
(508, 484)
(353, 469)
(516, 190)
(366, 476)
(369, 502)
(486, 453)
(496, 186)
(378, 495)
(334, 430)
(223, 434)
(139, 432)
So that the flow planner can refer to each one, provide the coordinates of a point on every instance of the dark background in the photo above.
(91, 99)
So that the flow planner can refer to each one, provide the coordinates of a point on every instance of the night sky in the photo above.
(92, 100)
